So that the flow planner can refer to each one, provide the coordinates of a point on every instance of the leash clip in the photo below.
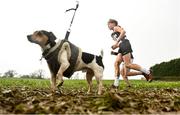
(41, 58)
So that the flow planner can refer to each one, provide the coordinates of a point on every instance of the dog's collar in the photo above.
(49, 49)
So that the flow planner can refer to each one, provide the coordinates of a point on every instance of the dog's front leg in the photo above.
(53, 83)
(64, 65)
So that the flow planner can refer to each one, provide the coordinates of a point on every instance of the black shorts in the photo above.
(125, 47)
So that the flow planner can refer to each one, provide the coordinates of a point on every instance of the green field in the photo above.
(44, 83)
(34, 96)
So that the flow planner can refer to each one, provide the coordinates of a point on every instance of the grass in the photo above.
(19, 82)
(44, 83)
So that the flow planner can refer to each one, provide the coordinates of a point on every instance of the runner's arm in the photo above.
(122, 31)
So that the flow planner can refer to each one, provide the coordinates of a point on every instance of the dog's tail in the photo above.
(99, 59)
(102, 53)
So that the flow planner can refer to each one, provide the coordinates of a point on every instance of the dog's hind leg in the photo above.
(89, 76)
(98, 76)
(64, 65)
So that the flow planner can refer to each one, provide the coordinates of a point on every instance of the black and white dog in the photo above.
(64, 59)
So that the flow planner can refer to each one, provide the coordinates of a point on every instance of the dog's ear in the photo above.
(52, 36)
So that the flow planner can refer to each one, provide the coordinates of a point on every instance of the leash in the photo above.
(69, 30)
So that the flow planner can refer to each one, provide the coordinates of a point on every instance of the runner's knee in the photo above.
(128, 65)
(116, 63)
(122, 72)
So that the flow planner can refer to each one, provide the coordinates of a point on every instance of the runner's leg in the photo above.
(126, 59)
(125, 70)
(117, 69)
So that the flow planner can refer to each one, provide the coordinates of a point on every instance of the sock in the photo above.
(145, 71)
(116, 81)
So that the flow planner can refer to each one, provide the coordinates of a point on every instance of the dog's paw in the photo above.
(60, 84)
(100, 92)
(89, 93)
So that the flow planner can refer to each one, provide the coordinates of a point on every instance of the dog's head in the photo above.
(42, 37)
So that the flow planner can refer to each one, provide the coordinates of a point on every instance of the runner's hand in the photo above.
(114, 53)
(116, 45)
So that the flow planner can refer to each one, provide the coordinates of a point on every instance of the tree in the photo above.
(37, 74)
(25, 76)
(10, 73)
(167, 70)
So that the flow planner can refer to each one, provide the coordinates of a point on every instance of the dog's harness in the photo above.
(51, 56)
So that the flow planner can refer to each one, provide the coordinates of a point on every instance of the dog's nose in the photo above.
(29, 37)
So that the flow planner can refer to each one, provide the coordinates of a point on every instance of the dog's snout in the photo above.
(29, 37)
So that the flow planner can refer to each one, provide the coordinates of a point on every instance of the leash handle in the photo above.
(77, 5)
(69, 30)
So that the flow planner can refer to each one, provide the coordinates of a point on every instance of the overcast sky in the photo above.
(152, 26)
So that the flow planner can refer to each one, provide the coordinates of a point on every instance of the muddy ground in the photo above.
(28, 100)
